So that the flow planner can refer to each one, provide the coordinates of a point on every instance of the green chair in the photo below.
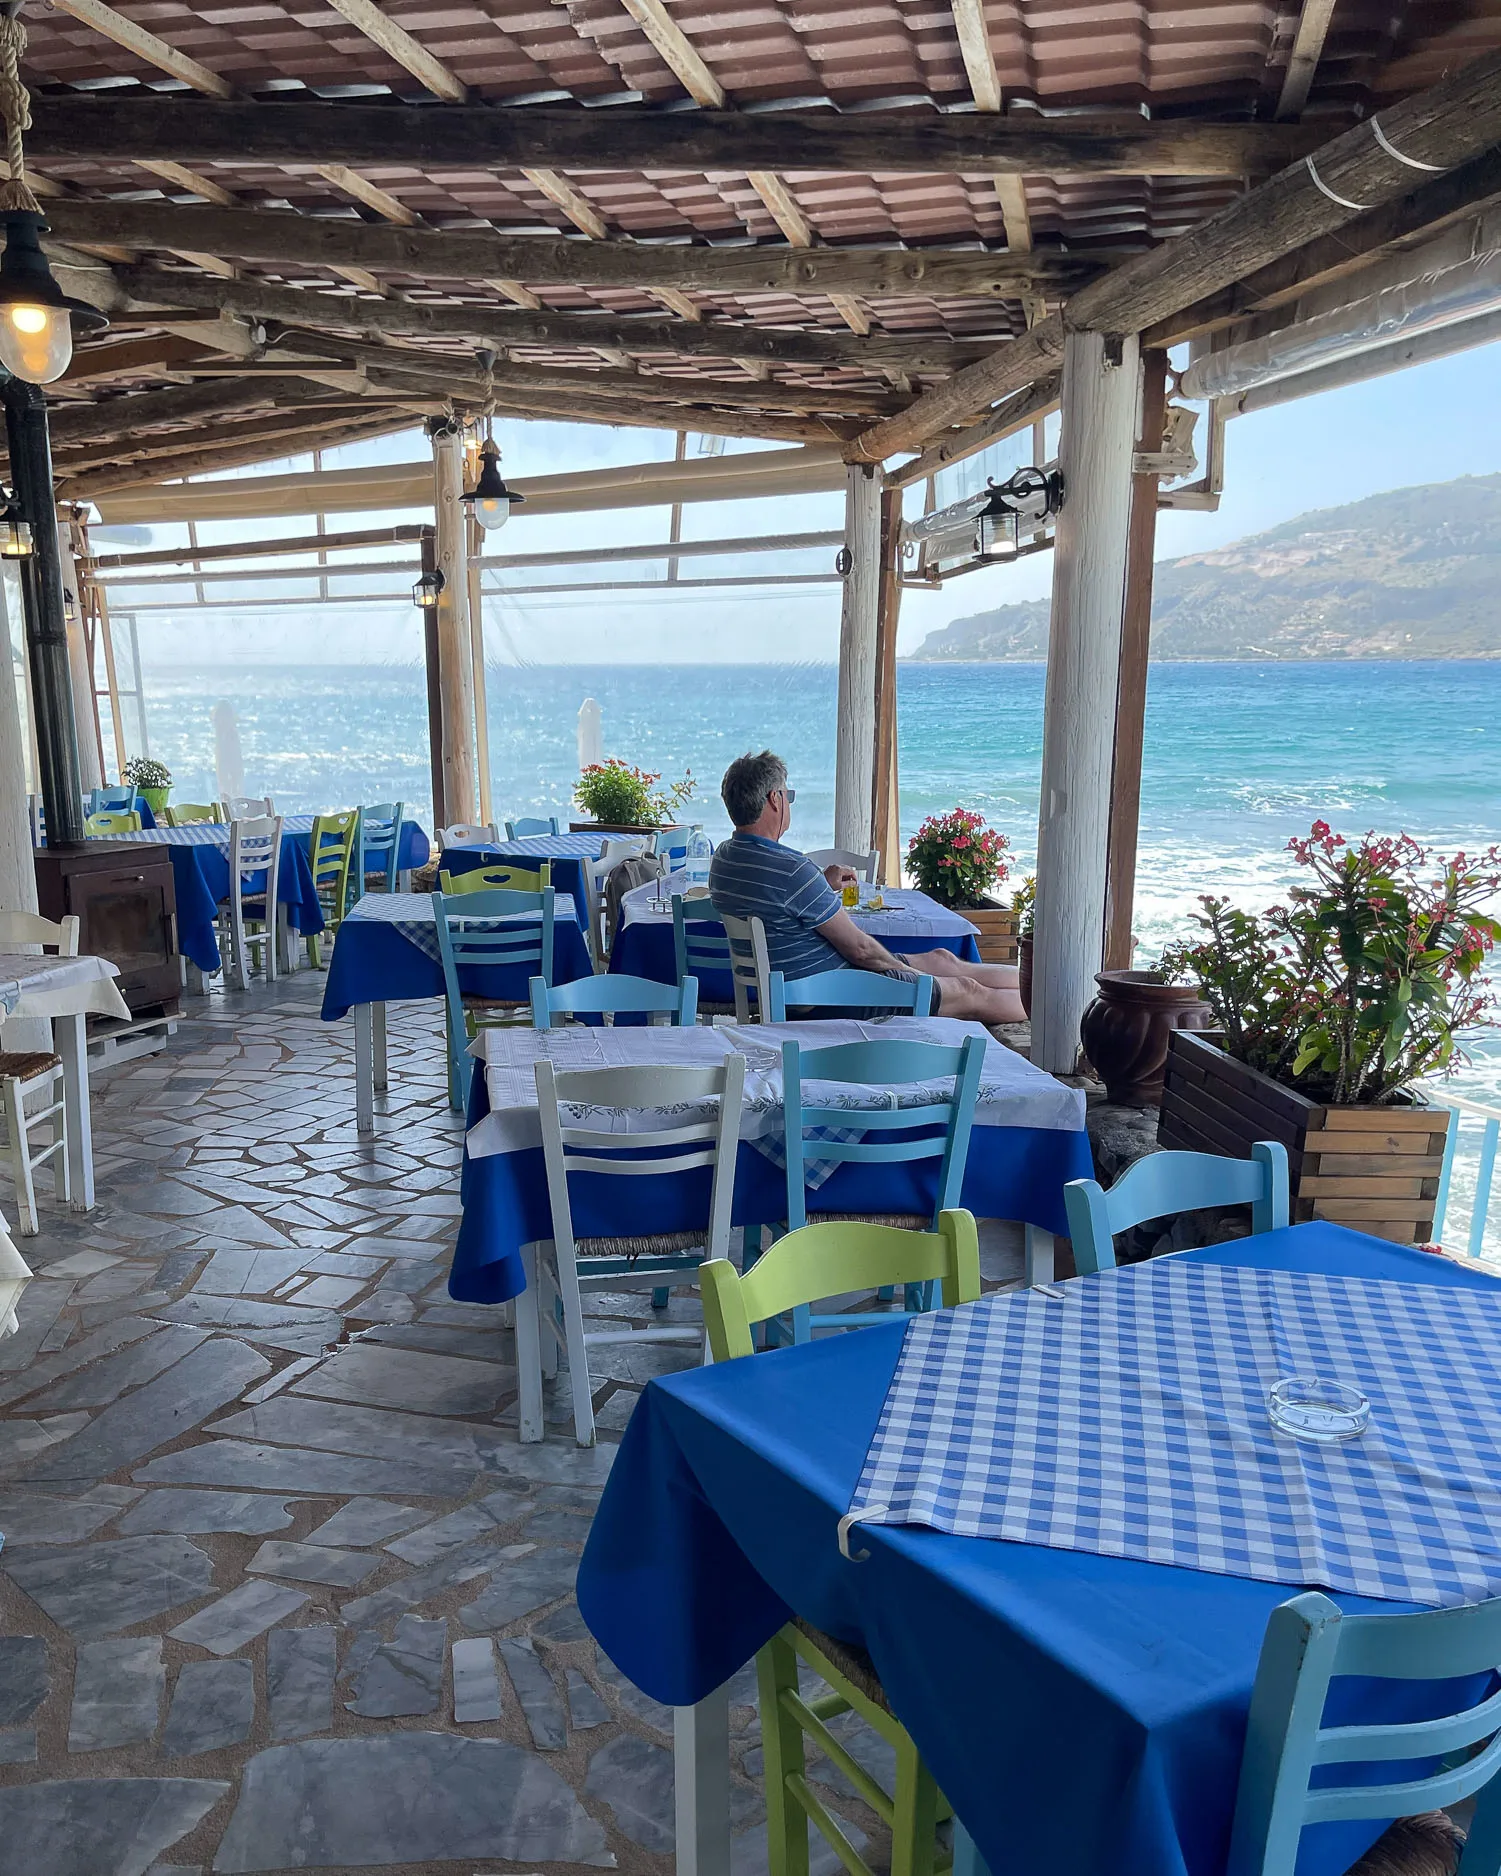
(824, 1260)
(1296, 1771)
(112, 821)
(190, 814)
(1174, 1182)
(501, 878)
(331, 847)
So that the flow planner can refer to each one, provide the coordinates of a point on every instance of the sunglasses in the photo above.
(789, 795)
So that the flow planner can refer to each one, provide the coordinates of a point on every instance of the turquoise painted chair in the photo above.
(123, 796)
(470, 938)
(1174, 1182)
(696, 952)
(1309, 1642)
(672, 847)
(519, 830)
(614, 995)
(849, 990)
(378, 842)
(936, 1130)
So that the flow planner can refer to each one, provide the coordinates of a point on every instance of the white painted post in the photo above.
(455, 650)
(1101, 391)
(855, 740)
(85, 703)
(17, 874)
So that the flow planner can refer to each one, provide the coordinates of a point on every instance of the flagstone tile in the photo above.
(246, 1271)
(404, 1677)
(35, 1517)
(117, 1693)
(537, 1693)
(23, 1677)
(198, 1513)
(519, 1585)
(239, 1617)
(466, 1563)
(300, 1666)
(476, 1684)
(329, 1292)
(585, 1708)
(81, 1264)
(19, 1747)
(213, 1706)
(97, 1589)
(313, 1563)
(365, 1521)
(99, 1826)
(334, 1426)
(105, 1380)
(370, 1374)
(483, 1519)
(305, 1471)
(42, 1302)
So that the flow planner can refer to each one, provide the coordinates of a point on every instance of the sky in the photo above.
(1427, 424)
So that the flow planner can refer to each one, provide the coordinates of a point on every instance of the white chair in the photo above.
(247, 920)
(247, 807)
(596, 872)
(867, 865)
(750, 966)
(27, 1074)
(466, 834)
(669, 1145)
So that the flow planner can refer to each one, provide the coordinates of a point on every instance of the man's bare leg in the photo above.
(979, 993)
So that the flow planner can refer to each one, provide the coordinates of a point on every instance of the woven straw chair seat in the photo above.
(902, 1221)
(19, 1066)
(475, 1002)
(655, 1244)
(853, 1663)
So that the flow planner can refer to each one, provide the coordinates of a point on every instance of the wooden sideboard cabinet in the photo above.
(123, 895)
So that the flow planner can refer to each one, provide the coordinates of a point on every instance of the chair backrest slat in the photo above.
(246, 807)
(113, 821)
(502, 877)
(466, 834)
(191, 814)
(867, 865)
(699, 943)
(614, 995)
(30, 928)
(848, 989)
(1169, 1182)
(378, 843)
(523, 829)
(750, 965)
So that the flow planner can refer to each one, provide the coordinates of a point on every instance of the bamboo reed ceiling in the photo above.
(783, 220)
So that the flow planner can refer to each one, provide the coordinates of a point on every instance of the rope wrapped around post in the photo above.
(15, 108)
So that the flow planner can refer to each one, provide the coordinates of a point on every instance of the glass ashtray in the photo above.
(1320, 1411)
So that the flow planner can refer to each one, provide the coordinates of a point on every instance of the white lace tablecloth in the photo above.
(32, 985)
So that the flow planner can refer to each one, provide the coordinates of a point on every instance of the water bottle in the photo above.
(696, 861)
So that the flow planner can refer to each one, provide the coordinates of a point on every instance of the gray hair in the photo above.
(747, 783)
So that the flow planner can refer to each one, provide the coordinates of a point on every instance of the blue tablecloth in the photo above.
(567, 852)
(1082, 1713)
(412, 849)
(375, 962)
(1011, 1172)
(200, 876)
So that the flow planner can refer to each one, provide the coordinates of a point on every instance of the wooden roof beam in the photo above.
(276, 424)
(85, 484)
(114, 127)
(146, 410)
(276, 236)
(973, 33)
(1450, 124)
(1303, 61)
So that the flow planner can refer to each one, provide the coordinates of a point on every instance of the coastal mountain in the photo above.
(1414, 573)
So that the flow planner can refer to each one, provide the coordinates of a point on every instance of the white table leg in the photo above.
(378, 1039)
(701, 1785)
(71, 1044)
(529, 1353)
(194, 979)
(1039, 1256)
(364, 1068)
(404, 880)
(287, 939)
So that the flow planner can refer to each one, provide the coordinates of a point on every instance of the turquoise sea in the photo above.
(1239, 757)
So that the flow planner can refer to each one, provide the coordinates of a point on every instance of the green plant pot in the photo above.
(155, 798)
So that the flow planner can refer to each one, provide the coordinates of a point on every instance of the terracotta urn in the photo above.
(1024, 972)
(1125, 1031)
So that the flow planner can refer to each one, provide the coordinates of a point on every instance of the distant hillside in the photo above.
(1415, 573)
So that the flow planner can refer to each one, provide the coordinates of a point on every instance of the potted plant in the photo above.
(1127, 1028)
(1024, 911)
(1330, 1011)
(151, 780)
(957, 859)
(622, 799)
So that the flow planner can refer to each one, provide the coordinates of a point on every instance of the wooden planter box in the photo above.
(997, 928)
(1375, 1169)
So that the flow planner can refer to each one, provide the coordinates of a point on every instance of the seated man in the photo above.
(807, 927)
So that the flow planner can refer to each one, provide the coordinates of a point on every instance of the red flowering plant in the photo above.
(616, 794)
(1361, 984)
(956, 858)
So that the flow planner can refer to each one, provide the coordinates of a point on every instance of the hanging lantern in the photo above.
(15, 530)
(490, 499)
(1030, 496)
(997, 536)
(425, 593)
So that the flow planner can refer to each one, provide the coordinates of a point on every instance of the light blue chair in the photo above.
(1174, 1182)
(1308, 1642)
(470, 937)
(849, 990)
(520, 830)
(672, 846)
(614, 994)
(122, 797)
(377, 844)
(696, 952)
(935, 1130)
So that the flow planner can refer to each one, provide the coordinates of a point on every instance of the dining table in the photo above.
(1062, 1569)
(387, 952)
(906, 921)
(65, 992)
(569, 855)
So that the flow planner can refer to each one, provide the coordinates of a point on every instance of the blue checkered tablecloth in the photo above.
(1127, 1415)
(412, 915)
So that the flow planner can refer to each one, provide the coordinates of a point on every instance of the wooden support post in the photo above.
(1131, 696)
(1101, 381)
(455, 655)
(856, 733)
(885, 817)
(429, 618)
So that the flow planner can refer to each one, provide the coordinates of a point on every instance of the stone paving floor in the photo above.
(280, 1590)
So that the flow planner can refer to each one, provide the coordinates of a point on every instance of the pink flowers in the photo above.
(956, 857)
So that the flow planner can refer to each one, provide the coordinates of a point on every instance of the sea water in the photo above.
(1239, 757)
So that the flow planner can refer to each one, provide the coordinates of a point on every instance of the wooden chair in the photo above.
(935, 1130)
(330, 855)
(502, 877)
(378, 845)
(109, 821)
(1309, 1642)
(611, 995)
(1174, 1182)
(750, 966)
(26, 1074)
(823, 1260)
(856, 990)
(246, 807)
(102, 800)
(699, 945)
(487, 930)
(522, 830)
(466, 834)
(572, 1265)
(248, 917)
(190, 814)
(867, 865)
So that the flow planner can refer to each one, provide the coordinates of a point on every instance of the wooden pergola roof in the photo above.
(788, 220)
